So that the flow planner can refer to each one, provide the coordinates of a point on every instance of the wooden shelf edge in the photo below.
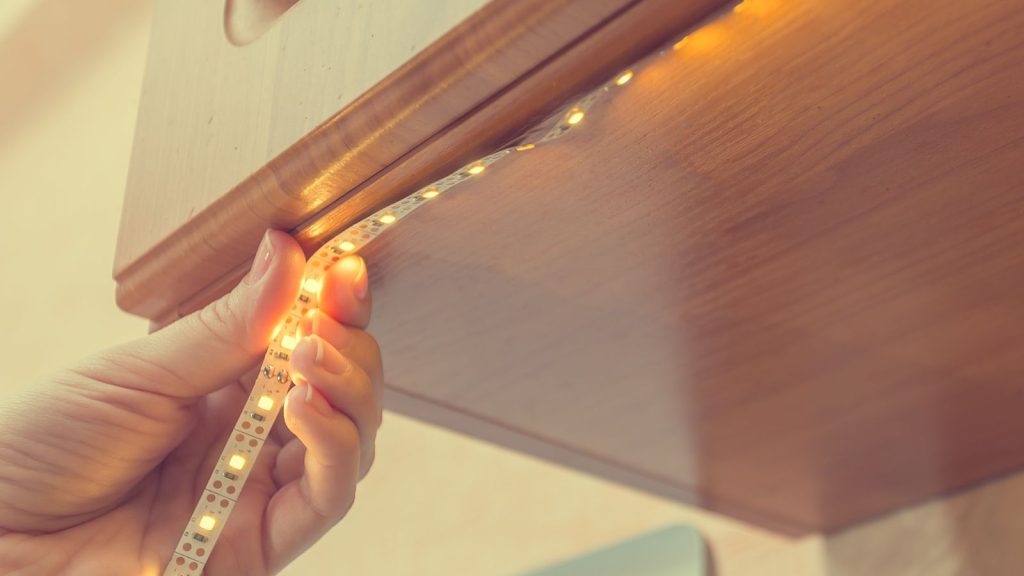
(487, 52)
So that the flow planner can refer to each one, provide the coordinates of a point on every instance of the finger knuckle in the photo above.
(369, 353)
(216, 320)
(361, 388)
(348, 439)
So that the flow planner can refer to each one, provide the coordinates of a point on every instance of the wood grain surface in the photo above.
(777, 275)
(228, 140)
(780, 270)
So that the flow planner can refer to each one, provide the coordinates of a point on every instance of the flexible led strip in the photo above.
(273, 382)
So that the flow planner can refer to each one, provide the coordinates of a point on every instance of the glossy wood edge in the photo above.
(454, 78)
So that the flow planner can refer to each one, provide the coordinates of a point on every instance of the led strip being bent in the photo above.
(273, 382)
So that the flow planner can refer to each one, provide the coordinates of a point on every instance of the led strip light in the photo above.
(273, 382)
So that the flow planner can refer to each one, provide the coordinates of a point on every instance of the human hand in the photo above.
(101, 465)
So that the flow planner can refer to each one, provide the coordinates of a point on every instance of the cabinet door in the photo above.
(776, 274)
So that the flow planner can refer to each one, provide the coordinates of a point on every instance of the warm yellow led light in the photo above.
(265, 403)
(525, 147)
(476, 169)
(277, 330)
(682, 42)
(289, 341)
(432, 193)
(237, 461)
(739, 8)
(575, 117)
(388, 219)
(207, 522)
(347, 246)
(624, 78)
(311, 285)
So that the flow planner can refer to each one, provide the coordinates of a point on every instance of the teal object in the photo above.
(672, 551)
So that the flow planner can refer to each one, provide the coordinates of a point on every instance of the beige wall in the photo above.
(62, 168)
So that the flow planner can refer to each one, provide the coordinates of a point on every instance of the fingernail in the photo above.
(260, 264)
(318, 401)
(361, 282)
(312, 341)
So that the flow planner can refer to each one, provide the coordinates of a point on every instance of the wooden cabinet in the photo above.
(778, 274)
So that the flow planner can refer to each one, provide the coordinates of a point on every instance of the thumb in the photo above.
(213, 346)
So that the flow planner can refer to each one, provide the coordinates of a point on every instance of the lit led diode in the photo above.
(311, 285)
(289, 341)
(207, 522)
(237, 461)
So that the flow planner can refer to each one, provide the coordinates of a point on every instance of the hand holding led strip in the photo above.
(273, 382)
